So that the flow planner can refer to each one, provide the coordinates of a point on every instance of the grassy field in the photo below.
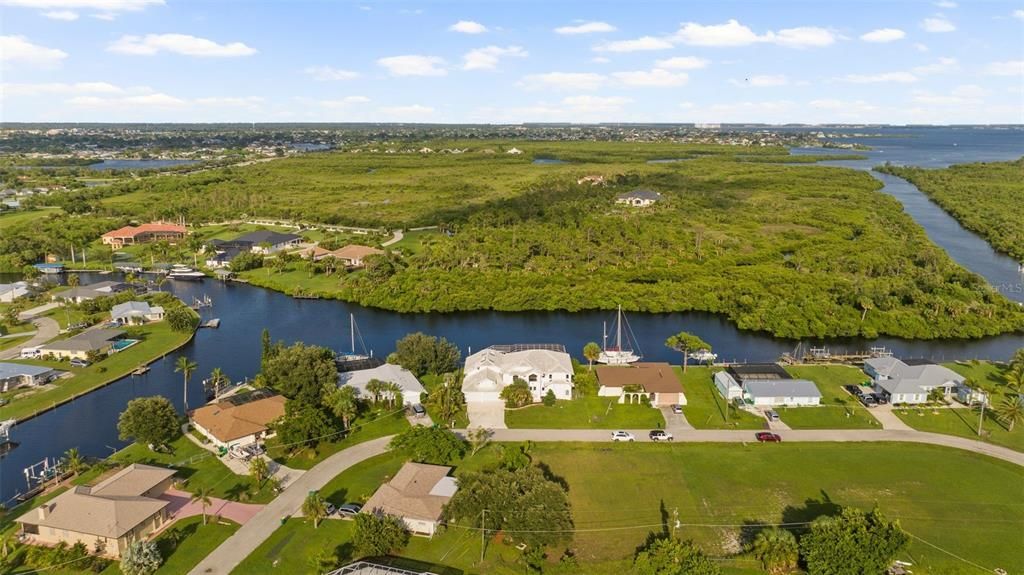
(157, 339)
(368, 426)
(585, 413)
(705, 408)
(20, 217)
(186, 543)
(629, 485)
(838, 409)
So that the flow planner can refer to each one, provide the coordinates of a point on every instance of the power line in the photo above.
(951, 554)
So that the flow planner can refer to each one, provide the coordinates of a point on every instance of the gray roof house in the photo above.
(905, 383)
(639, 197)
(411, 387)
(765, 384)
(79, 346)
(14, 375)
(277, 241)
(92, 291)
(135, 311)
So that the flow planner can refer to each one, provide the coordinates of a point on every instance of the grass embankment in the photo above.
(585, 413)
(157, 340)
(706, 409)
(838, 409)
(963, 502)
(963, 421)
(24, 216)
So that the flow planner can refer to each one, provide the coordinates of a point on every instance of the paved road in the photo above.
(46, 329)
(398, 237)
(230, 553)
(31, 313)
(237, 547)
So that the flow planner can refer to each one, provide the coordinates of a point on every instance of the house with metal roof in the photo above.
(911, 381)
(116, 511)
(268, 241)
(765, 385)
(14, 375)
(12, 291)
(638, 198)
(81, 345)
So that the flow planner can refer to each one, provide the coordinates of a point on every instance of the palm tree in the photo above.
(1011, 410)
(683, 342)
(186, 366)
(447, 399)
(73, 280)
(374, 387)
(217, 379)
(776, 549)
(259, 469)
(8, 543)
(986, 394)
(342, 402)
(314, 508)
(1014, 378)
(204, 496)
(393, 392)
(74, 461)
(591, 352)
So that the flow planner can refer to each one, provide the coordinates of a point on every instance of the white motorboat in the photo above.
(185, 273)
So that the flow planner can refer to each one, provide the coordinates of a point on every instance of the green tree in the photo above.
(217, 380)
(422, 354)
(73, 280)
(429, 445)
(684, 343)
(393, 392)
(259, 470)
(777, 550)
(591, 352)
(517, 394)
(180, 318)
(342, 402)
(141, 558)
(446, 400)
(301, 372)
(378, 535)
(1011, 410)
(74, 462)
(266, 347)
(1017, 360)
(204, 497)
(1014, 379)
(478, 438)
(549, 398)
(186, 367)
(149, 420)
(303, 425)
(670, 556)
(324, 561)
(852, 543)
(524, 501)
(314, 508)
(375, 387)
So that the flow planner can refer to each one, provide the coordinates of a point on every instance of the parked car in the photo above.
(768, 437)
(622, 436)
(349, 509)
(329, 508)
(881, 398)
(31, 352)
(75, 362)
(772, 415)
(418, 410)
(854, 390)
(677, 409)
(660, 435)
(868, 399)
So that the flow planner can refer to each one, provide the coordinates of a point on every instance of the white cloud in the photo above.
(59, 88)
(883, 35)
(487, 58)
(251, 102)
(762, 81)
(18, 50)
(595, 104)
(654, 78)
(329, 73)
(682, 63)
(600, 60)
(761, 111)
(946, 4)
(941, 66)
(413, 65)
(937, 24)
(468, 27)
(183, 44)
(968, 94)
(412, 113)
(1018, 14)
(154, 100)
(883, 77)
(641, 44)
(732, 33)
(1008, 68)
(102, 5)
(585, 28)
(920, 47)
(65, 15)
(345, 102)
(585, 81)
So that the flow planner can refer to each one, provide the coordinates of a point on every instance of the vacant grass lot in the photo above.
(186, 543)
(617, 486)
(586, 413)
(157, 339)
(705, 408)
(838, 409)
(20, 217)
(367, 426)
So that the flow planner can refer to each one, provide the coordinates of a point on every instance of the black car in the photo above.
(881, 398)
(854, 389)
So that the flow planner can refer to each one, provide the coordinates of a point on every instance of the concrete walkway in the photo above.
(888, 419)
(394, 240)
(46, 329)
(240, 545)
(182, 507)
(285, 475)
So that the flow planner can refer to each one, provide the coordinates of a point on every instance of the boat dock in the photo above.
(823, 355)
(213, 323)
(141, 370)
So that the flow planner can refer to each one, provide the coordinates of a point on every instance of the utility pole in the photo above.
(483, 533)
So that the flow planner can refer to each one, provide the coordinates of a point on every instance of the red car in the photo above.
(766, 436)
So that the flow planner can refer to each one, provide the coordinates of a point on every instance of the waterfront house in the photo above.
(765, 384)
(79, 294)
(353, 255)
(910, 381)
(134, 312)
(235, 421)
(80, 346)
(655, 381)
(131, 235)
(388, 372)
(126, 507)
(14, 375)
(268, 241)
(543, 367)
(417, 495)
(12, 291)
(638, 198)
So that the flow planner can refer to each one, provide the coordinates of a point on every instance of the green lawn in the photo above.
(157, 339)
(925, 487)
(22, 216)
(366, 427)
(705, 408)
(585, 413)
(838, 409)
(199, 468)
(294, 280)
(412, 242)
(9, 342)
(963, 422)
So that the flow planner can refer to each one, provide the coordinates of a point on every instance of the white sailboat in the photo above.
(619, 353)
(353, 331)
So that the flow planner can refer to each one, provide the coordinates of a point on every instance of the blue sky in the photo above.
(936, 61)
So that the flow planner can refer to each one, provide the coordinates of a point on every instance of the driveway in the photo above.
(31, 313)
(46, 329)
(888, 419)
(182, 506)
(487, 414)
(394, 240)
(675, 422)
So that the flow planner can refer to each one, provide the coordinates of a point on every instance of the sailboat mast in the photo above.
(352, 330)
(618, 330)
(604, 335)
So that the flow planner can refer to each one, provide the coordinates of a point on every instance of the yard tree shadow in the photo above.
(417, 566)
(552, 477)
(811, 510)
(338, 497)
(234, 493)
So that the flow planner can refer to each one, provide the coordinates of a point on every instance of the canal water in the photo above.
(89, 423)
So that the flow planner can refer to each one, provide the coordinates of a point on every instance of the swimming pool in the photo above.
(123, 344)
